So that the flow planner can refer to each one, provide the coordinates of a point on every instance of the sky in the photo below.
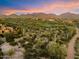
(8, 7)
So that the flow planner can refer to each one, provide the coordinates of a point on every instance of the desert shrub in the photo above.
(13, 43)
(9, 37)
(1, 42)
(1, 54)
(10, 52)
(56, 51)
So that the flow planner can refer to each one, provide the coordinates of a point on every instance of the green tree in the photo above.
(56, 51)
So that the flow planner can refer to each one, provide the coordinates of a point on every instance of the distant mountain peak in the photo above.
(68, 13)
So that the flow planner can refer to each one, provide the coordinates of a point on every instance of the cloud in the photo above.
(57, 7)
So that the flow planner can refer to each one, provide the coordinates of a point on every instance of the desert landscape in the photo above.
(39, 29)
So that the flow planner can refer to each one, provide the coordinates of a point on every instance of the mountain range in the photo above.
(67, 15)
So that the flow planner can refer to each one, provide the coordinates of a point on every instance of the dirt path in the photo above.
(71, 45)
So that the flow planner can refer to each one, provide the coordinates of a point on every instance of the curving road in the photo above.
(71, 45)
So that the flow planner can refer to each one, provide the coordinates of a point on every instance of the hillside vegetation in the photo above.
(39, 38)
